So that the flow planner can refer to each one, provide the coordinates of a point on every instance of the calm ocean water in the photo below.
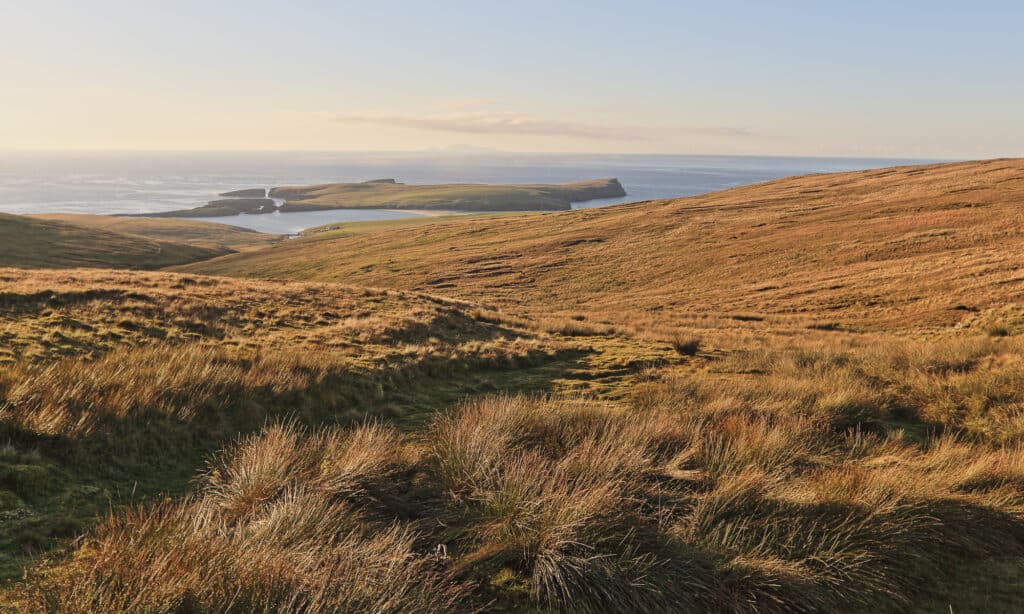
(125, 183)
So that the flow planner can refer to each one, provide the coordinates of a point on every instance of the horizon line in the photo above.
(498, 152)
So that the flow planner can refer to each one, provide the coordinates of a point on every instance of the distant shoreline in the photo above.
(433, 212)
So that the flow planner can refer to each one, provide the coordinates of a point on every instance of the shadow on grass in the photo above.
(54, 487)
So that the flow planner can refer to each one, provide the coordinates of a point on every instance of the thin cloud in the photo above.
(493, 123)
(500, 123)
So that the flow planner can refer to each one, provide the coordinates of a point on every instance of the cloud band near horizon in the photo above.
(493, 122)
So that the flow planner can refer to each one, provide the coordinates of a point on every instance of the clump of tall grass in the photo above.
(275, 526)
(552, 492)
(685, 345)
(697, 496)
(688, 501)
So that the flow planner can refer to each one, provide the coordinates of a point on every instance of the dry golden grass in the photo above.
(114, 385)
(900, 248)
(38, 243)
(100, 241)
(270, 530)
(801, 396)
(86, 349)
(48, 314)
(200, 234)
(970, 385)
(676, 503)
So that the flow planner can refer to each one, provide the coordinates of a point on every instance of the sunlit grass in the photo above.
(567, 505)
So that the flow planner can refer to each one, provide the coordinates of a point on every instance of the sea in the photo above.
(148, 182)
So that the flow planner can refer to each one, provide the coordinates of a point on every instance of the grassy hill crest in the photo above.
(906, 246)
(39, 243)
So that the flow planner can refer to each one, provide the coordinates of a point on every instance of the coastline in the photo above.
(431, 212)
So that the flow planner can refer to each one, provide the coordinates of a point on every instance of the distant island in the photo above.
(390, 194)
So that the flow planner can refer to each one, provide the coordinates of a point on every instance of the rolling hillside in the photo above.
(38, 243)
(195, 233)
(898, 247)
(798, 396)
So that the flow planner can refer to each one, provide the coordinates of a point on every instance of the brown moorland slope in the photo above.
(36, 243)
(811, 447)
(192, 232)
(916, 246)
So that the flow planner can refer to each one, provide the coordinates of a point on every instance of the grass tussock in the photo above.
(686, 346)
(280, 523)
(674, 503)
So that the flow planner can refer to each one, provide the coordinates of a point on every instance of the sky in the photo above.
(898, 78)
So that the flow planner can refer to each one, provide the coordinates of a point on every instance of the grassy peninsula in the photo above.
(390, 194)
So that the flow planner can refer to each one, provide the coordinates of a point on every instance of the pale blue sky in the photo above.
(913, 78)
